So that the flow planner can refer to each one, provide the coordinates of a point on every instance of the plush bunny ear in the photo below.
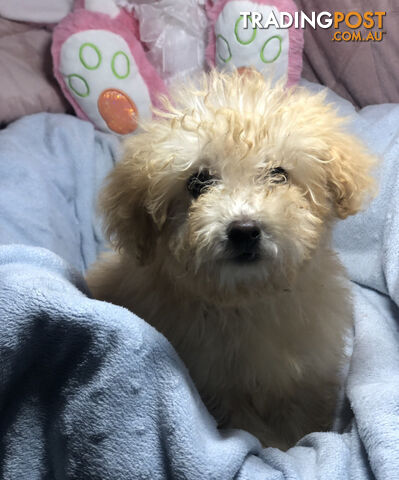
(349, 176)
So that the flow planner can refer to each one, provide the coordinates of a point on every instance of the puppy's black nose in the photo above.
(244, 235)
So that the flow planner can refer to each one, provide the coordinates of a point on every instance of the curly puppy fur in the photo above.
(262, 334)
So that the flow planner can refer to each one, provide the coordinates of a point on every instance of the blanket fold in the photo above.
(88, 390)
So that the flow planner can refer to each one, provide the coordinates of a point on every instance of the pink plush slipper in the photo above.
(275, 52)
(102, 68)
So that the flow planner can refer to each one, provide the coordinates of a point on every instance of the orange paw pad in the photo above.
(118, 110)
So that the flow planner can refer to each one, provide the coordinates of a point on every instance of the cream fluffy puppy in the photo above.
(221, 213)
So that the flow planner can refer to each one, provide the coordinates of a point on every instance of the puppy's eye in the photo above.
(278, 175)
(199, 182)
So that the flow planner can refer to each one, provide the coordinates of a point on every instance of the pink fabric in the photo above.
(213, 10)
(27, 85)
(365, 73)
(124, 25)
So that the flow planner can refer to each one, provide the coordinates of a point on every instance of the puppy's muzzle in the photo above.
(243, 240)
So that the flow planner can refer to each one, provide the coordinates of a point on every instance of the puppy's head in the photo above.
(233, 186)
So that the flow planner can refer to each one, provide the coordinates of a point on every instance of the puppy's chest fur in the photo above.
(269, 366)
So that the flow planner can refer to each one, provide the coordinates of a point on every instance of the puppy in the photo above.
(221, 213)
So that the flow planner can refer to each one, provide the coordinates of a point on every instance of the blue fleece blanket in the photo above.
(90, 391)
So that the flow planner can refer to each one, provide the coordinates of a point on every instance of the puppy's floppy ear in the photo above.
(349, 174)
(123, 201)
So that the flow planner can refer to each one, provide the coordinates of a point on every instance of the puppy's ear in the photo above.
(124, 203)
(349, 174)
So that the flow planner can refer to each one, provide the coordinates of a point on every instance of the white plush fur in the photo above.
(263, 340)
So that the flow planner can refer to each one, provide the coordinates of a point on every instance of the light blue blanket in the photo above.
(89, 391)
